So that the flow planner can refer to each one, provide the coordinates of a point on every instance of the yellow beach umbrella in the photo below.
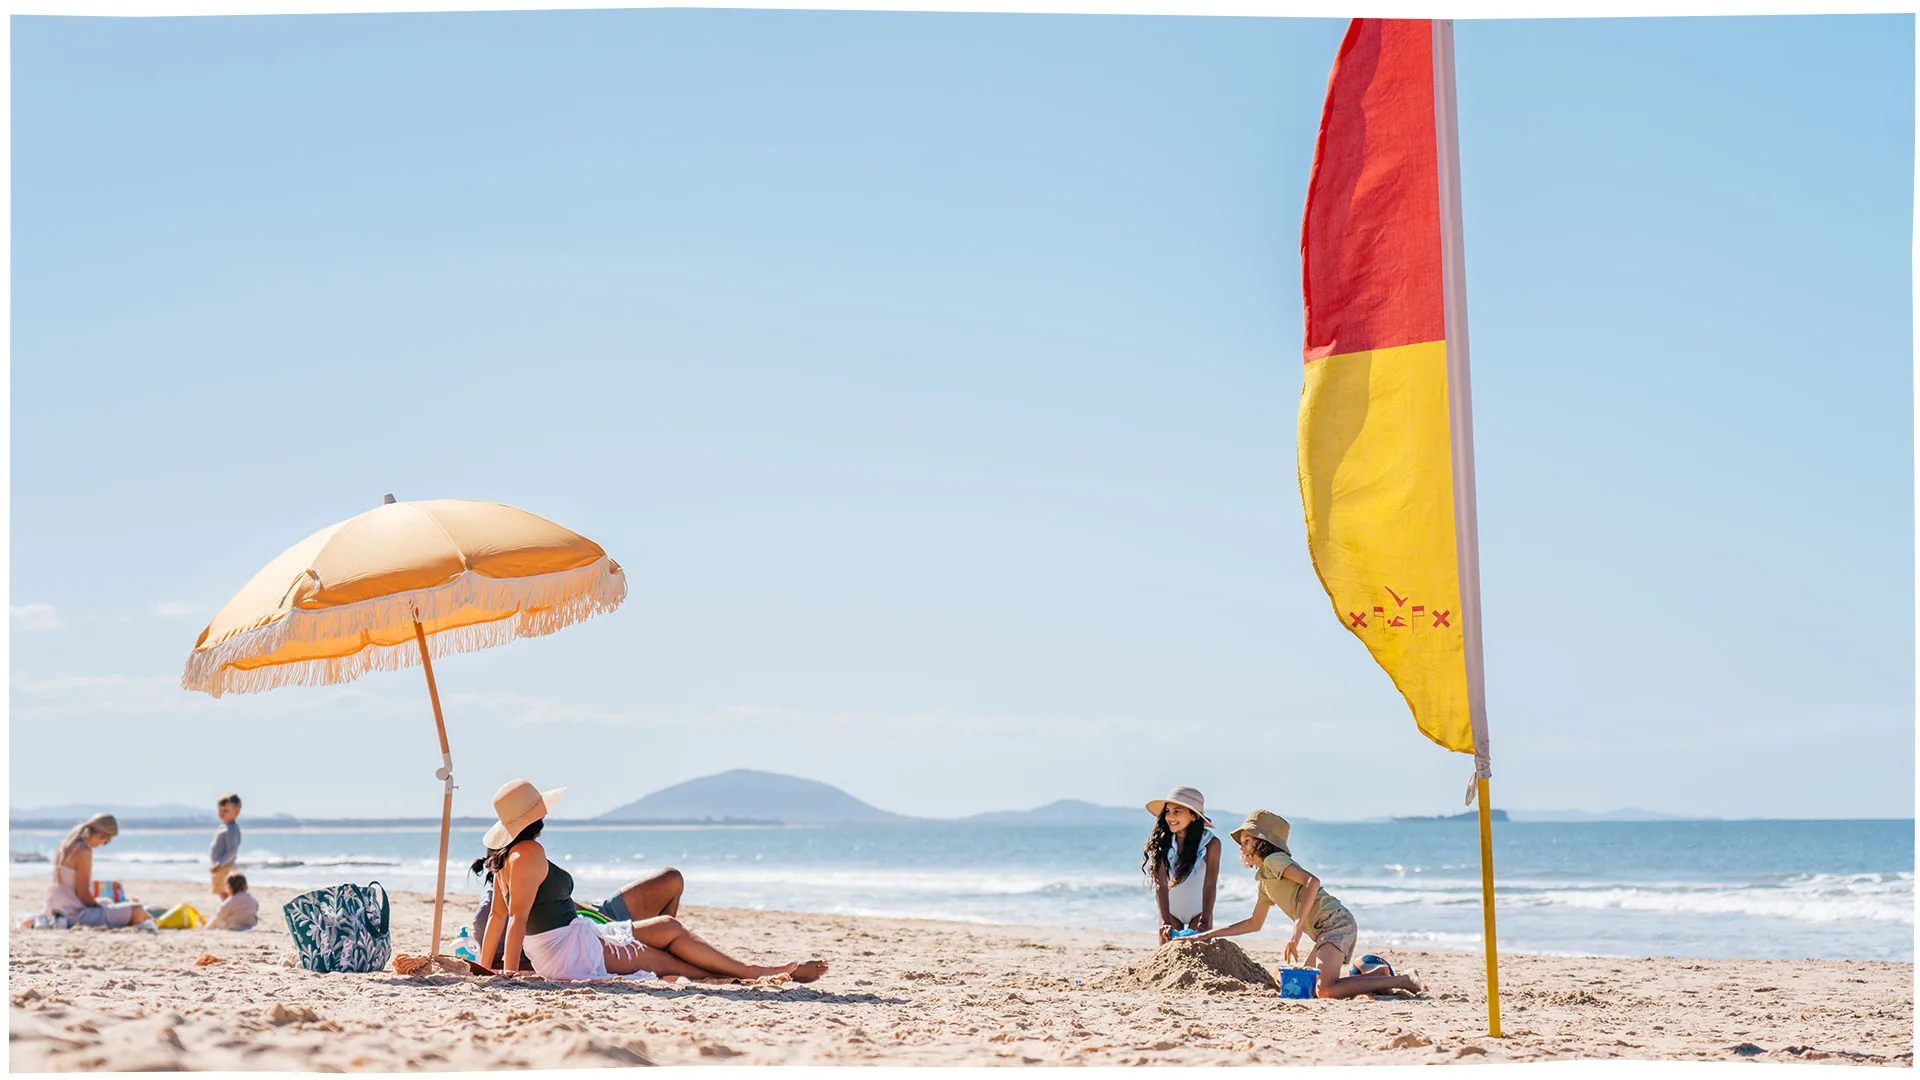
(397, 586)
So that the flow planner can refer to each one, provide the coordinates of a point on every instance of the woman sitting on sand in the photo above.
(1287, 885)
(71, 894)
(642, 898)
(1182, 858)
(541, 920)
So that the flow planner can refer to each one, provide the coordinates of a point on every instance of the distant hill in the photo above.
(1063, 812)
(1471, 815)
(748, 793)
(1080, 812)
(75, 813)
(1610, 815)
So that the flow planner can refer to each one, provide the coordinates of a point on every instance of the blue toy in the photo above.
(1297, 982)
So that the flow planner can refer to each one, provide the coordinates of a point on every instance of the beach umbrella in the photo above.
(397, 586)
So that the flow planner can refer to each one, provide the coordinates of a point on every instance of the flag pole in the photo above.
(1446, 119)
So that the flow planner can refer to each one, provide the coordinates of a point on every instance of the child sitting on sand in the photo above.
(240, 911)
(1182, 859)
(1287, 885)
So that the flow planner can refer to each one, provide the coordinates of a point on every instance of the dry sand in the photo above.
(900, 992)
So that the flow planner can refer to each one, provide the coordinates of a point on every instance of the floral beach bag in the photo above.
(341, 928)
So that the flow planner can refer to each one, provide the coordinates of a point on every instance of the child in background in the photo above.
(240, 911)
(226, 843)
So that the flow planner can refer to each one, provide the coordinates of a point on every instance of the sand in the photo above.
(900, 992)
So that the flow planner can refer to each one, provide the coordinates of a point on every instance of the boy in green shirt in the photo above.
(1285, 884)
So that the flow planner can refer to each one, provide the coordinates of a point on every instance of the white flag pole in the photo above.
(1466, 520)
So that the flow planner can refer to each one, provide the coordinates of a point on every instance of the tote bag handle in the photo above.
(386, 915)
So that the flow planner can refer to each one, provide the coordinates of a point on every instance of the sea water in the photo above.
(1706, 889)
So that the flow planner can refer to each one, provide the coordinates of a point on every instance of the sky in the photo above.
(935, 378)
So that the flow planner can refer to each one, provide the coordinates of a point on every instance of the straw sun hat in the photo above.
(1182, 796)
(1266, 825)
(518, 804)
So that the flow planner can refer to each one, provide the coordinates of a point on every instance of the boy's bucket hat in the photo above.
(518, 804)
(1266, 825)
(1182, 796)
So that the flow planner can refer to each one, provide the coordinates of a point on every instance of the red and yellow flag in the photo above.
(1376, 447)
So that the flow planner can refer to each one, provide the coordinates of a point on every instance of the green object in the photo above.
(591, 915)
(340, 928)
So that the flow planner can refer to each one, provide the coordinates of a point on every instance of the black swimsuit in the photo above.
(553, 905)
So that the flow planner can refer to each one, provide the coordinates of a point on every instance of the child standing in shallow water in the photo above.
(226, 844)
(1182, 859)
(1287, 885)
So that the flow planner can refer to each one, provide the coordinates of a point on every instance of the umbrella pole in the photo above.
(445, 773)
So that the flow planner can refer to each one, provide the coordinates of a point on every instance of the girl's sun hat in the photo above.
(1182, 796)
(1264, 825)
(518, 804)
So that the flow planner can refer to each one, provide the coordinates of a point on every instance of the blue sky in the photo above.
(934, 377)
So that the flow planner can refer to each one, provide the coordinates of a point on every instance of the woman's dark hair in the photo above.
(1160, 846)
(489, 864)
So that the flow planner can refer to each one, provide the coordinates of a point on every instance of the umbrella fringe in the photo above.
(530, 607)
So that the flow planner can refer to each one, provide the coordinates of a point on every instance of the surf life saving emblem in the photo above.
(1400, 616)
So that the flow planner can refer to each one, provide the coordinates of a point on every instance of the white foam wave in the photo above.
(149, 858)
(281, 862)
(853, 880)
(1812, 900)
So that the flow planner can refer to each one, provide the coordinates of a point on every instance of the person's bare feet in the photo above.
(798, 972)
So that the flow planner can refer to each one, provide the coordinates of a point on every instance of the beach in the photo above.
(901, 991)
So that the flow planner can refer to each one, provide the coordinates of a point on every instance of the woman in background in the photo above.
(71, 893)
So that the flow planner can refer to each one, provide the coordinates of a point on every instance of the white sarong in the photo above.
(571, 952)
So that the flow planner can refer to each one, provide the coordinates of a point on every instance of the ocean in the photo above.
(1706, 889)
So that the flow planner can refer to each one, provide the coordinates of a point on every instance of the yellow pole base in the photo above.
(1486, 907)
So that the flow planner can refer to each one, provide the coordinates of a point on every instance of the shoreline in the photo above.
(900, 991)
(461, 901)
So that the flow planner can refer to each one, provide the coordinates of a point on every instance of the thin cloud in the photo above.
(525, 709)
(174, 609)
(33, 618)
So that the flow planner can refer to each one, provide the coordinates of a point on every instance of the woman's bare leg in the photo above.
(656, 894)
(666, 932)
(1331, 985)
(627, 959)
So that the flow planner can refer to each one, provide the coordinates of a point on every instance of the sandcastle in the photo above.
(1215, 966)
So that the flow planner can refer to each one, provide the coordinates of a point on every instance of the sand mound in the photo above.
(1209, 967)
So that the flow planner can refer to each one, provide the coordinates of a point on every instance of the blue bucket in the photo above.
(1297, 982)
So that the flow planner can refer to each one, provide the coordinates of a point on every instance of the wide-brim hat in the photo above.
(518, 804)
(1265, 825)
(1182, 796)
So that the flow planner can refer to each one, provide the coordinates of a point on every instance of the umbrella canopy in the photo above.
(345, 600)
(395, 587)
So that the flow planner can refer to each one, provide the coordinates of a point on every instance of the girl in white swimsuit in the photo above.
(1182, 859)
